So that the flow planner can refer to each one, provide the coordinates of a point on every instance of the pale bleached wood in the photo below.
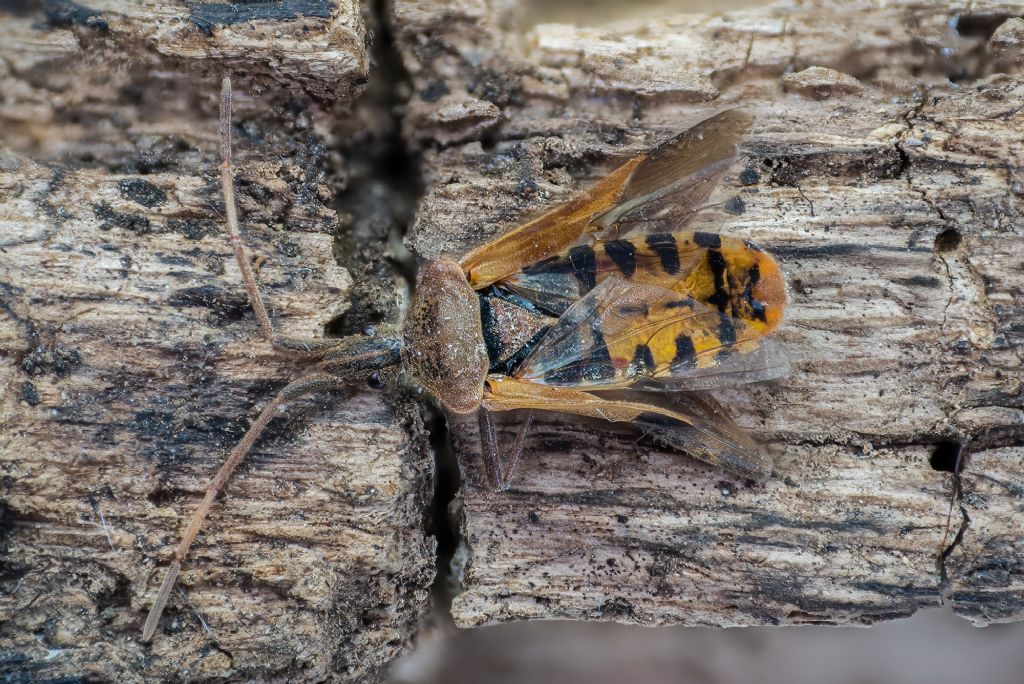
(891, 196)
(131, 363)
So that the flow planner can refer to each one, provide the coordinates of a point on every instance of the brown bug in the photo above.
(573, 312)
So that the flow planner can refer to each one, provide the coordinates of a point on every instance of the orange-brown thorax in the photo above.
(444, 350)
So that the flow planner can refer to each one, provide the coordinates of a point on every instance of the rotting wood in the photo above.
(895, 209)
(892, 197)
(131, 363)
(317, 45)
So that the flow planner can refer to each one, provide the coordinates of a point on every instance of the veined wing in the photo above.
(690, 422)
(731, 275)
(695, 423)
(669, 183)
(623, 334)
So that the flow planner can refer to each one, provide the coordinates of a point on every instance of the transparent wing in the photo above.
(698, 425)
(622, 334)
(768, 362)
(691, 422)
(655, 191)
(553, 292)
(677, 177)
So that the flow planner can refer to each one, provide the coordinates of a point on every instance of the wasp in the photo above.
(601, 307)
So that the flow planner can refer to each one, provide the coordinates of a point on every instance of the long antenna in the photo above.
(227, 184)
(294, 389)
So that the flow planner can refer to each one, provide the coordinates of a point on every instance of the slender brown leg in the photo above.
(291, 391)
(489, 448)
(517, 451)
(227, 184)
(491, 453)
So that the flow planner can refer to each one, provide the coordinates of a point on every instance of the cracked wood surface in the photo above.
(131, 363)
(315, 45)
(891, 196)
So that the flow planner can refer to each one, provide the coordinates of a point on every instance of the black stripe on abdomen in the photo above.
(686, 354)
(584, 264)
(664, 245)
(643, 361)
(720, 298)
(707, 240)
(623, 253)
(757, 308)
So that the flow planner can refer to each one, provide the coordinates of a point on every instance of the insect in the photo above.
(583, 310)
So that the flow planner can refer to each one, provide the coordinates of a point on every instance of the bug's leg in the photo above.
(517, 451)
(491, 453)
(294, 389)
(489, 448)
(227, 184)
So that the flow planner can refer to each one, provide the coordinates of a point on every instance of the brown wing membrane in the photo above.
(622, 334)
(701, 427)
(677, 177)
(671, 181)
(694, 424)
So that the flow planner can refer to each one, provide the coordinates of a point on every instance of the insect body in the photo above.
(583, 310)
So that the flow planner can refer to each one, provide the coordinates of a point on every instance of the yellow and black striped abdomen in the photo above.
(734, 276)
(623, 332)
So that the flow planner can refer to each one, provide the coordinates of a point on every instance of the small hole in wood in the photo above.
(946, 456)
(979, 25)
(163, 497)
(947, 240)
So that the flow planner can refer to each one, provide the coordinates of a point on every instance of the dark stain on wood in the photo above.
(141, 191)
(67, 14)
(208, 16)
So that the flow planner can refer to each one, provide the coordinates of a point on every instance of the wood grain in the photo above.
(315, 45)
(895, 209)
(884, 171)
(131, 363)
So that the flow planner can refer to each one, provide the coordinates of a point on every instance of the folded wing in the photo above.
(659, 190)
(622, 334)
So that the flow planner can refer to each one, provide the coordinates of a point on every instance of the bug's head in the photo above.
(444, 348)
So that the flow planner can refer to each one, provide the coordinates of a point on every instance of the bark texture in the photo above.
(131, 361)
(316, 45)
(885, 173)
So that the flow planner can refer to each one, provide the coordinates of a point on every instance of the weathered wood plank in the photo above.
(315, 45)
(131, 362)
(893, 199)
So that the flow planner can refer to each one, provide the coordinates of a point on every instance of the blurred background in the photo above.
(931, 647)
(598, 12)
